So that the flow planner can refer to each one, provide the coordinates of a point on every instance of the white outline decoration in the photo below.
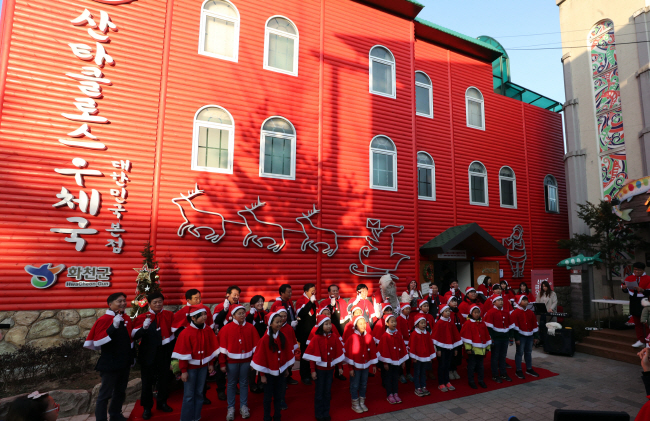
(308, 242)
(275, 247)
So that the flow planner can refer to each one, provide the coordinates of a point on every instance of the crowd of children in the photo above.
(257, 349)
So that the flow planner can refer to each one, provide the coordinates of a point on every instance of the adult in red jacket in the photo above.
(470, 300)
(637, 286)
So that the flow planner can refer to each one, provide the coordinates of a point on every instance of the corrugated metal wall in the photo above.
(335, 118)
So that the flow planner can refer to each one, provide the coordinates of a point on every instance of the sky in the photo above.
(511, 22)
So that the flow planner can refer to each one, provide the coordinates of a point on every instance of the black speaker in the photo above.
(562, 343)
(572, 415)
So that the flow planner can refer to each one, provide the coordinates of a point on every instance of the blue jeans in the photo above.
(238, 373)
(525, 349)
(420, 373)
(323, 393)
(193, 394)
(358, 384)
(498, 358)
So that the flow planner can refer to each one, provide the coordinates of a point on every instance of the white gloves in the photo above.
(378, 311)
(116, 320)
(226, 305)
(146, 324)
(356, 301)
(312, 298)
(294, 324)
(333, 302)
(253, 310)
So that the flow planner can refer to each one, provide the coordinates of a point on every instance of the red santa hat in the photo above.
(322, 319)
(356, 308)
(322, 309)
(356, 319)
(497, 297)
(442, 310)
(418, 317)
(386, 317)
(402, 306)
(420, 302)
(521, 297)
(385, 306)
(469, 289)
(193, 311)
(453, 297)
(472, 309)
(237, 307)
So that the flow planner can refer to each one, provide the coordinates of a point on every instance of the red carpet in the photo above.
(301, 399)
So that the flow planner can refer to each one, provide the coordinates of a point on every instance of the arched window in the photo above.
(213, 140)
(278, 149)
(478, 189)
(550, 194)
(474, 108)
(423, 95)
(281, 46)
(382, 71)
(508, 188)
(426, 177)
(219, 35)
(383, 164)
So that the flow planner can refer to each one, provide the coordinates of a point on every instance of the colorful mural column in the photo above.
(609, 115)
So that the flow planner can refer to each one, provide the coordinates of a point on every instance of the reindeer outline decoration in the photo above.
(251, 236)
(187, 226)
(377, 230)
(313, 244)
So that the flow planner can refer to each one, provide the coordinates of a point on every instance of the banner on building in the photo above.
(538, 276)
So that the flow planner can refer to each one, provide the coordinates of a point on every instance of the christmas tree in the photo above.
(147, 281)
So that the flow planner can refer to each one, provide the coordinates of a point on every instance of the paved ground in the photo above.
(585, 382)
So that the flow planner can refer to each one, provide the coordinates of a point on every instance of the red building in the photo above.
(266, 144)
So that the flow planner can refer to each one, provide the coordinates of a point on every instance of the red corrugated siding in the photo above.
(335, 118)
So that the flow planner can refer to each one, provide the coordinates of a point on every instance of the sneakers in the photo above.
(362, 404)
(638, 344)
(409, 378)
(355, 406)
(482, 384)
(506, 378)
(418, 392)
(456, 375)
(245, 412)
(442, 388)
(450, 387)
(425, 391)
(397, 398)
(283, 405)
(532, 373)
(230, 416)
(451, 376)
(497, 379)
(520, 374)
(391, 399)
(402, 379)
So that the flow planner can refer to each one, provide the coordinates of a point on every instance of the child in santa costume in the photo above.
(422, 352)
(380, 327)
(484, 288)
(526, 335)
(360, 355)
(325, 311)
(325, 354)
(445, 337)
(257, 317)
(273, 356)
(392, 353)
(290, 335)
(195, 350)
(500, 326)
(458, 320)
(404, 327)
(237, 341)
(506, 292)
(471, 299)
(423, 308)
(349, 328)
(496, 292)
(476, 338)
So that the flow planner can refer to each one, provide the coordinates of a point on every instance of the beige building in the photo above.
(606, 56)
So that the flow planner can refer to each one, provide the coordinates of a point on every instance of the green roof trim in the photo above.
(458, 35)
(470, 237)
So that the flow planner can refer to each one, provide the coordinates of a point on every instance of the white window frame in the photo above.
(433, 177)
(205, 13)
(485, 184)
(430, 89)
(514, 187)
(479, 101)
(296, 47)
(547, 195)
(195, 141)
(393, 68)
(293, 138)
(384, 152)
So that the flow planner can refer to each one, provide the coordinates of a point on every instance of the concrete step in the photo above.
(607, 352)
(624, 347)
(618, 335)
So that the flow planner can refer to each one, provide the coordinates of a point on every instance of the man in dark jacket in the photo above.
(155, 353)
(306, 309)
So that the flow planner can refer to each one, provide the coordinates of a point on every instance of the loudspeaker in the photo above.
(571, 415)
(562, 343)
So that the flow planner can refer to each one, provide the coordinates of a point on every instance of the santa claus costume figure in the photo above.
(445, 337)
(273, 356)
(392, 354)
(422, 352)
(360, 355)
(237, 341)
(477, 341)
(195, 349)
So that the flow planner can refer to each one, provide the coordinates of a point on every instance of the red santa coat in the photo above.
(98, 336)
(301, 302)
(459, 296)
(445, 334)
(431, 321)
(269, 362)
(499, 320)
(378, 329)
(347, 332)
(163, 320)
(325, 351)
(367, 309)
(404, 325)
(360, 350)
(180, 317)
(465, 306)
(195, 347)
(489, 304)
(237, 342)
(476, 334)
(313, 332)
(219, 308)
(287, 305)
(392, 349)
(482, 290)
(290, 335)
(525, 321)
(421, 346)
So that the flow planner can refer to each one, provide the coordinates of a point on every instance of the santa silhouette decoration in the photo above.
(516, 254)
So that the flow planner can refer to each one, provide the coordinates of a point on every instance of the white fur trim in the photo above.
(422, 359)
(485, 345)
(390, 361)
(237, 356)
(361, 366)
(447, 346)
(265, 370)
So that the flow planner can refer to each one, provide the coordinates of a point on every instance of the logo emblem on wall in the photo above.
(260, 232)
(44, 276)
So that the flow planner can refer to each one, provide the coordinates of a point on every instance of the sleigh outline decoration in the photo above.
(251, 236)
(187, 226)
(313, 244)
(377, 230)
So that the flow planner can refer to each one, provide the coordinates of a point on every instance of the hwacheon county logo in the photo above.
(44, 276)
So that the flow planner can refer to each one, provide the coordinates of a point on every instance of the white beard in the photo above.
(389, 292)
